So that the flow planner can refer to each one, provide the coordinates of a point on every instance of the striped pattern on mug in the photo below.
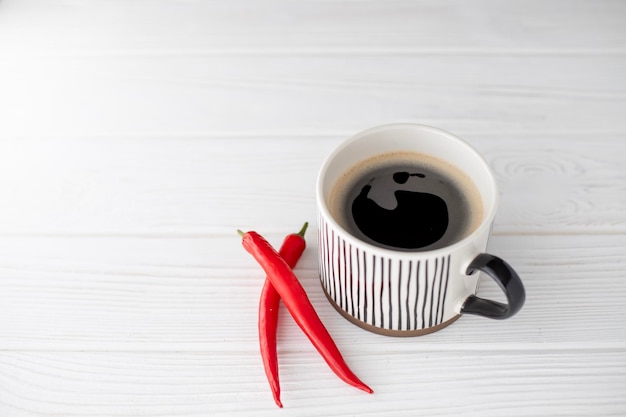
(386, 292)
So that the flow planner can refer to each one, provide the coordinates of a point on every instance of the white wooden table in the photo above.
(136, 137)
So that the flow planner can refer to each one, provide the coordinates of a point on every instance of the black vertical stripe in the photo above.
(382, 288)
(320, 240)
(346, 274)
(361, 283)
(373, 302)
(389, 293)
(408, 292)
(417, 294)
(341, 259)
(350, 286)
(332, 266)
(328, 264)
(445, 290)
(365, 300)
(320, 243)
(439, 291)
(425, 294)
(346, 253)
(432, 293)
(338, 271)
(400, 295)
(324, 254)
(440, 302)
(320, 253)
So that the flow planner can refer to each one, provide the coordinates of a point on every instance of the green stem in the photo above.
(240, 232)
(303, 230)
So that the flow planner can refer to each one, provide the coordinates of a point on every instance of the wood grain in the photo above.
(289, 95)
(135, 137)
(199, 384)
(153, 294)
(202, 186)
(157, 27)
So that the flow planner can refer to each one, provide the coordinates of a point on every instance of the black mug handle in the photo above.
(507, 279)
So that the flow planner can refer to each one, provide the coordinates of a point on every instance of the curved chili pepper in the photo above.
(299, 306)
(291, 250)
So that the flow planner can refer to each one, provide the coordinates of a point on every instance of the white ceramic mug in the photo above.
(410, 293)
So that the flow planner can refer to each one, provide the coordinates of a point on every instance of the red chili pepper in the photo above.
(291, 250)
(299, 306)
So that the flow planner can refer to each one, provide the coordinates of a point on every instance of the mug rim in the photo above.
(485, 223)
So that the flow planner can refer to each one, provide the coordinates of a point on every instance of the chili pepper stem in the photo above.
(303, 230)
(240, 232)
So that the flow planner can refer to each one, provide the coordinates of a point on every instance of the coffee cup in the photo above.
(405, 212)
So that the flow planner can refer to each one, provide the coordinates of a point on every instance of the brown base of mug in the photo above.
(389, 332)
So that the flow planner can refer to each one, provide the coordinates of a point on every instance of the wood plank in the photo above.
(200, 294)
(490, 26)
(192, 186)
(136, 136)
(200, 384)
(267, 95)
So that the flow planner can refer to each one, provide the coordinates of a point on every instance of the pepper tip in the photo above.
(364, 387)
(276, 396)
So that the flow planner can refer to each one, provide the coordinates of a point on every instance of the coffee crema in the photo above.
(406, 201)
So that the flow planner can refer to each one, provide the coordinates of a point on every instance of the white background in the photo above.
(137, 136)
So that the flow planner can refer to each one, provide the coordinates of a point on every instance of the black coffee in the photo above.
(407, 201)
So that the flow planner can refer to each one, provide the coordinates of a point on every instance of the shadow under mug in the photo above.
(410, 293)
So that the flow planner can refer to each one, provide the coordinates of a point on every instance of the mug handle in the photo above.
(507, 279)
